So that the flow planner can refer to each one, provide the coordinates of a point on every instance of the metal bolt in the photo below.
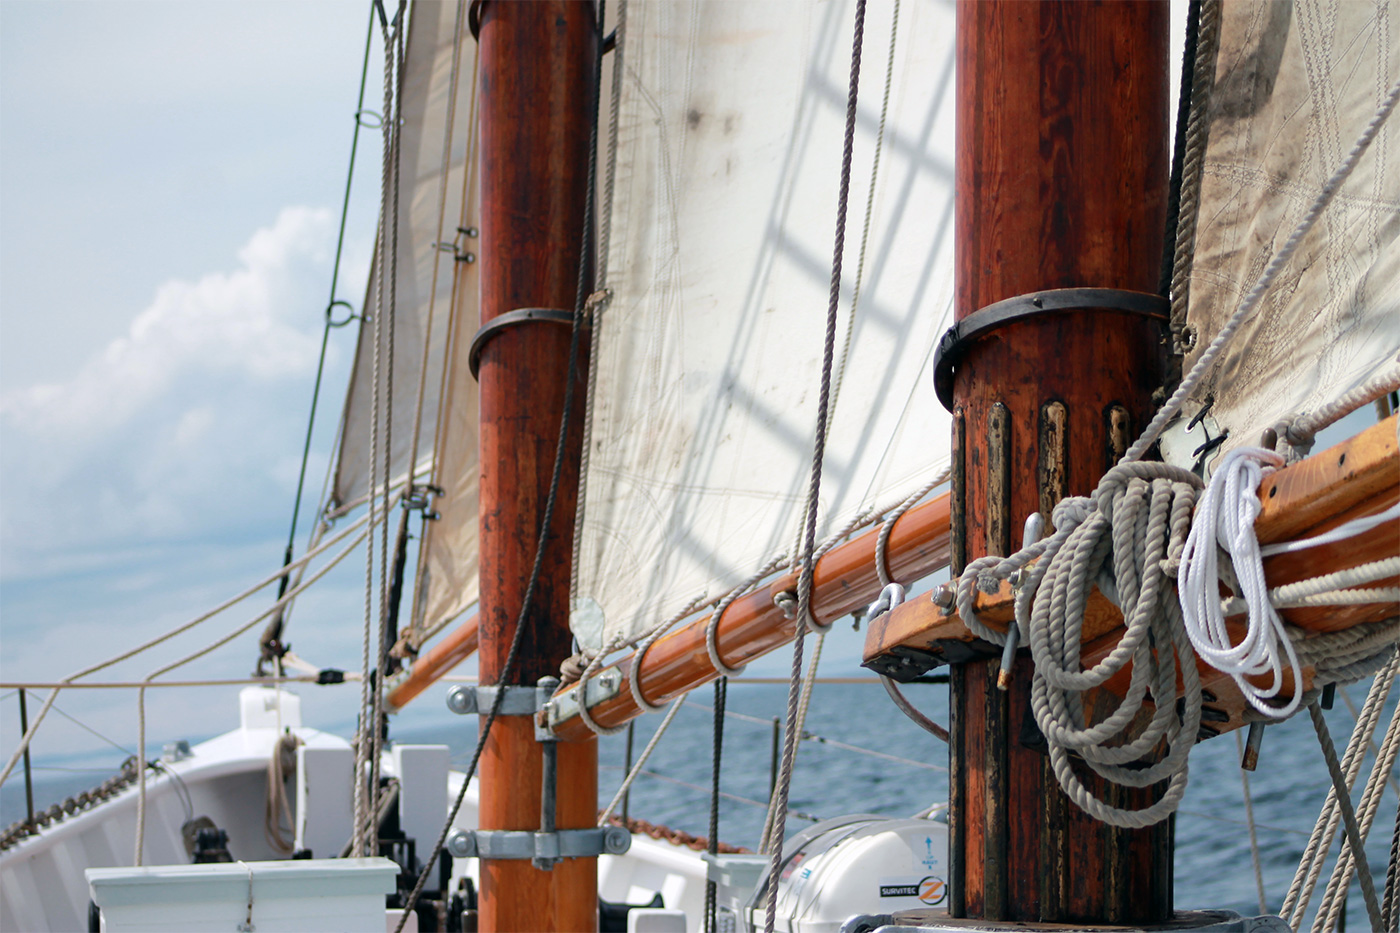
(461, 699)
(616, 840)
(462, 844)
(943, 596)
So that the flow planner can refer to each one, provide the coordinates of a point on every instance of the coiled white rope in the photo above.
(1225, 518)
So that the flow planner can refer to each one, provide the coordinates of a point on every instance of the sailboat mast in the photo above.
(537, 66)
(1061, 172)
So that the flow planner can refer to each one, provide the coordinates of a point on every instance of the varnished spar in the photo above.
(844, 580)
(1359, 476)
(537, 71)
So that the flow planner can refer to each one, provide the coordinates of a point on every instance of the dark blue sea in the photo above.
(866, 757)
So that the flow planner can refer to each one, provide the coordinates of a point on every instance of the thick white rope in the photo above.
(1225, 517)
(1346, 530)
(1302, 430)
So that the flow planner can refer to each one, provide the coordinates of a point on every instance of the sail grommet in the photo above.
(955, 342)
(510, 319)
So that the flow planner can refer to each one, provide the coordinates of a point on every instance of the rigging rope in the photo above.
(378, 717)
(281, 767)
(1390, 908)
(636, 769)
(70, 680)
(804, 585)
(418, 630)
(604, 250)
(1207, 40)
(1354, 835)
(717, 733)
(366, 795)
(1351, 859)
(1249, 819)
(869, 215)
(1300, 433)
(1135, 581)
(766, 838)
(219, 643)
(1295, 903)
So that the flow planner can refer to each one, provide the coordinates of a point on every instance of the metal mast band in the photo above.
(954, 344)
(501, 321)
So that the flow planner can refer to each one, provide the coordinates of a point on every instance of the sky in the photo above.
(171, 185)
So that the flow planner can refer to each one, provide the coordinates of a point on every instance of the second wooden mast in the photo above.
(537, 75)
(1061, 184)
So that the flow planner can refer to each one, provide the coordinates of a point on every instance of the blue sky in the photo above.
(171, 185)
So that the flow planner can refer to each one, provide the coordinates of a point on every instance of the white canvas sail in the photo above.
(708, 357)
(447, 578)
(1295, 85)
(425, 271)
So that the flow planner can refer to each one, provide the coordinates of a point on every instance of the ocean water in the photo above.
(866, 757)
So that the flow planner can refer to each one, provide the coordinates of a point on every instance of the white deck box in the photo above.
(302, 895)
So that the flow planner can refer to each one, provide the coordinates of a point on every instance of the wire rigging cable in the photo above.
(804, 586)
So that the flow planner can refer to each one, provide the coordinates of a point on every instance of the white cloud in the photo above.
(182, 426)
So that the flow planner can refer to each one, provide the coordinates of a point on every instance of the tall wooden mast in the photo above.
(537, 67)
(1061, 183)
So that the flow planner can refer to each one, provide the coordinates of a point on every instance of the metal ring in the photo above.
(501, 321)
(330, 313)
(954, 344)
(474, 18)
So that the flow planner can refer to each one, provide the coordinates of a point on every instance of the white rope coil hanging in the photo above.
(1225, 520)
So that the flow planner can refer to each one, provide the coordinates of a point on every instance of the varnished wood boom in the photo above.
(1358, 477)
